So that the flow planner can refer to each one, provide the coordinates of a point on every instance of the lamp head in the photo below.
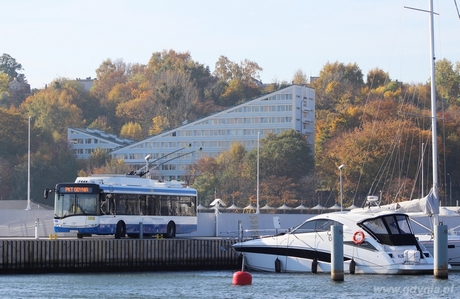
(147, 157)
(341, 166)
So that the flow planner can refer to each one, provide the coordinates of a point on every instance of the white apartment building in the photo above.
(171, 152)
(84, 141)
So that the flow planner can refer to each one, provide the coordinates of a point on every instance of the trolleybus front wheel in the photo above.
(121, 230)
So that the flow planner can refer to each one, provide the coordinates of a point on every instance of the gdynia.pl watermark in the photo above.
(422, 289)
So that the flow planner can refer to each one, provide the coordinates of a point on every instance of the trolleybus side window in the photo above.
(142, 205)
(164, 205)
(150, 205)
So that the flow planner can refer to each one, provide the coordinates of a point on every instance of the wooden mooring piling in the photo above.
(108, 255)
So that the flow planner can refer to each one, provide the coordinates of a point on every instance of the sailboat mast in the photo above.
(433, 104)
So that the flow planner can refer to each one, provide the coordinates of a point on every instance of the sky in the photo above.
(70, 39)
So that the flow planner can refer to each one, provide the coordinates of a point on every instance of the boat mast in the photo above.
(433, 107)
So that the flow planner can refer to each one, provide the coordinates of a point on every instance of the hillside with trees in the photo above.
(373, 124)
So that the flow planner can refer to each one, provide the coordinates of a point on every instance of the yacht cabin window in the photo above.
(319, 225)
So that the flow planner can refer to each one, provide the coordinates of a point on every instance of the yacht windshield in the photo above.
(391, 229)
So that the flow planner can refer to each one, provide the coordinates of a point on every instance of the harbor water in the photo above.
(218, 284)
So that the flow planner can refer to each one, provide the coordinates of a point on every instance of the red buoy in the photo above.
(242, 278)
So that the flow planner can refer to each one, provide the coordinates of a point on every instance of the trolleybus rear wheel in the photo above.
(171, 230)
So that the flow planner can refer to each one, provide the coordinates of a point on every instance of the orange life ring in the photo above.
(358, 237)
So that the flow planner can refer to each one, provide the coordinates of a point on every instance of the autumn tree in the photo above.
(13, 134)
(276, 191)
(338, 85)
(299, 78)
(240, 80)
(234, 184)
(376, 78)
(180, 62)
(159, 124)
(174, 95)
(101, 123)
(55, 109)
(131, 130)
(98, 158)
(206, 182)
(200, 76)
(109, 75)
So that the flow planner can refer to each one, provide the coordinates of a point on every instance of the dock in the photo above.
(109, 255)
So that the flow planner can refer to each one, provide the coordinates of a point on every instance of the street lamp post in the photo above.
(341, 188)
(258, 158)
(450, 189)
(28, 169)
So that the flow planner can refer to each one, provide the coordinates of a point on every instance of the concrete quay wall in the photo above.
(107, 255)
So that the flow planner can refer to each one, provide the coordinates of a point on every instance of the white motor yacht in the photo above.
(379, 242)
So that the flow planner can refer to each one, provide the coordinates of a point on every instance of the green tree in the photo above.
(9, 66)
(447, 81)
(4, 90)
(284, 160)
(285, 155)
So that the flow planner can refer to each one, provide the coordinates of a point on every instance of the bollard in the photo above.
(36, 228)
(337, 253)
(441, 266)
(141, 230)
